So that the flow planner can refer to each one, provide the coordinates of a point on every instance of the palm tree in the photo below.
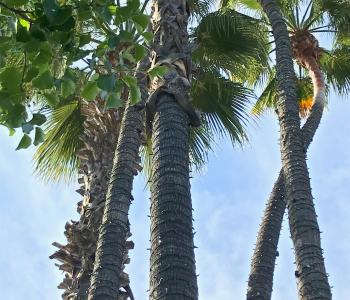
(97, 131)
(172, 262)
(321, 16)
(222, 110)
(311, 274)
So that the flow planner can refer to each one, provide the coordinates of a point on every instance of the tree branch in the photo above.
(18, 12)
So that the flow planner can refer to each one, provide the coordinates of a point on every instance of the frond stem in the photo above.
(306, 12)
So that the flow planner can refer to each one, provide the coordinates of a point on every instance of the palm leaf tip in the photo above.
(56, 158)
(223, 104)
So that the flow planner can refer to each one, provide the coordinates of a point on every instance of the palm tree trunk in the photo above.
(310, 273)
(263, 262)
(101, 130)
(173, 273)
(172, 263)
(113, 233)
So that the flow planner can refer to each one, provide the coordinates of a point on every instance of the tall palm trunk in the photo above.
(101, 130)
(112, 246)
(172, 263)
(263, 261)
(310, 273)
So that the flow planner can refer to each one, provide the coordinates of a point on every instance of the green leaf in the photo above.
(126, 36)
(6, 43)
(24, 23)
(67, 87)
(38, 119)
(51, 98)
(16, 2)
(57, 15)
(148, 36)
(27, 127)
(112, 9)
(11, 131)
(10, 79)
(39, 136)
(84, 39)
(25, 142)
(113, 41)
(140, 52)
(114, 101)
(159, 71)
(43, 81)
(129, 80)
(106, 82)
(90, 91)
(31, 73)
(127, 55)
(141, 21)
(16, 116)
(135, 94)
(44, 56)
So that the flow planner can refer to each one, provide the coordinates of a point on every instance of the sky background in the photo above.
(228, 199)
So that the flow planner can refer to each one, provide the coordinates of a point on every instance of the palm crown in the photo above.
(221, 101)
(306, 21)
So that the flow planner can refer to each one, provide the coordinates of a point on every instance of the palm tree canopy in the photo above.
(221, 101)
(312, 17)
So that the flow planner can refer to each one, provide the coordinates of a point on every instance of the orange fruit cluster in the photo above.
(305, 106)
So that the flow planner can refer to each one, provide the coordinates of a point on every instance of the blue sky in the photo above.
(228, 199)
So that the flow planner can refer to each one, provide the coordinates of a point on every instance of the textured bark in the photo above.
(78, 255)
(263, 262)
(112, 244)
(311, 274)
(260, 282)
(172, 263)
(173, 273)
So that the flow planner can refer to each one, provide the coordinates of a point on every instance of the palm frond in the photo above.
(338, 13)
(236, 4)
(223, 104)
(336, 65)
(56, 157)
(146, 158)
(200, 8)
(230, 40)
(268, 98)
(201, 143)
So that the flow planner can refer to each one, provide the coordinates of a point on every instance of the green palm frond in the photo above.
(200, 8)
(269, 97)
(56, 157)
(146, 157)
(223, 104)
(336, 65)
(201, 143)
(230, 40)
(338, 13)
(305, 88)
(236, 4)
